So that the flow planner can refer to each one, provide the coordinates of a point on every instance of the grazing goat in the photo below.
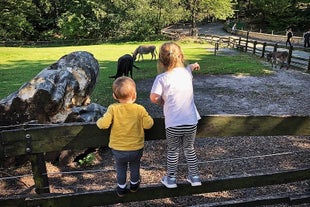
(144, 49)
(124, 66)
(275, 57)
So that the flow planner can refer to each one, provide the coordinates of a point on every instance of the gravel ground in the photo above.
(218, 157)
(285, 92)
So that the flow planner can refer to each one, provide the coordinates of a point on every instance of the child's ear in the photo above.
(114, 96)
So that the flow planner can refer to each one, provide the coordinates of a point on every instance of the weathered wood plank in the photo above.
(53, 138)
(299, 199)
(260, 201)
(97, 198)
(253, 126)
(84, 135)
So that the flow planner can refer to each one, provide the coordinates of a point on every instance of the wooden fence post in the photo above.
(216, 47)
(275, 47)
(39, 173)
(264, 49)
(290, 55)
(247, 41)
(38, 165)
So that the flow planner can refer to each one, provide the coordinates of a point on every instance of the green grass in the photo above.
(19, 65)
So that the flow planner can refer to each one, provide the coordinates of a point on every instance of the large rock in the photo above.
(52, 95)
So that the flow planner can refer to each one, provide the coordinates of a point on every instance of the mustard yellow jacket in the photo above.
(127, 121)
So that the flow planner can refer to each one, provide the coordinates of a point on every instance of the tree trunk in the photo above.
(51, 95)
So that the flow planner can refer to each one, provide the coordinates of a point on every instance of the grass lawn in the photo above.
(19, 65)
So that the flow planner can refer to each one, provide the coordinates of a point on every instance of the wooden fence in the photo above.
(35, 141)
(299, 58)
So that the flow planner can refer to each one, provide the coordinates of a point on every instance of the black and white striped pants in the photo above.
(181, 137)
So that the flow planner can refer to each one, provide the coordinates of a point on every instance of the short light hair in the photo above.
(124, 88)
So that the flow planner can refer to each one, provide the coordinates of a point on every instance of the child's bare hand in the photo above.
(194, 66)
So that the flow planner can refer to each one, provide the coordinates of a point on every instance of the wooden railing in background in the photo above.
(299, 58)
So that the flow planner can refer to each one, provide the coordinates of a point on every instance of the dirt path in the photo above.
(213, 29)
(217, 29)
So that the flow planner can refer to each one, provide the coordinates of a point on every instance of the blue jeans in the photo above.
(123, 159)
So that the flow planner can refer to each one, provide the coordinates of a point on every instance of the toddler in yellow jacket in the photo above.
(128, 121)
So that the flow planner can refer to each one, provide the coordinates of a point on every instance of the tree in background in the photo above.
(14, 24)
(43, 17)
(276, 15)
(272, 14)
(143, 19)
(199, 10)
(168, 12)
(138, 19)
(118, 19)
(81, 19)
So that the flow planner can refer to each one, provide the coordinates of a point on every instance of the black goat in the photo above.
(124, 66)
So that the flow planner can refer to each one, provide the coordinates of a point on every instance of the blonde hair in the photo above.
(170, 56)
(124, 88)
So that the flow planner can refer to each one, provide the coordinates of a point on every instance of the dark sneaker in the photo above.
(134, 187)
(121, 191)
(169, 182)
(194, 180)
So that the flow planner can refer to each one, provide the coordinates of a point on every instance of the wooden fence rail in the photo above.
(261, 49)
(99, 198)
(35, 140)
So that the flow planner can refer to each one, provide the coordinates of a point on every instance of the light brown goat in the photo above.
(276, 57)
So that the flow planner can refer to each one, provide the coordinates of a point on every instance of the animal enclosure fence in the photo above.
(35, 141)
(299, 58)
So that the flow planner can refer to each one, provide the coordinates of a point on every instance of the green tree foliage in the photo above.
(14, 24)
(208, 9)
(135, 19)
(267, 13)
(142, 19)
(75, 19)
(43, 18)
(81, 19)
(275, 15)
